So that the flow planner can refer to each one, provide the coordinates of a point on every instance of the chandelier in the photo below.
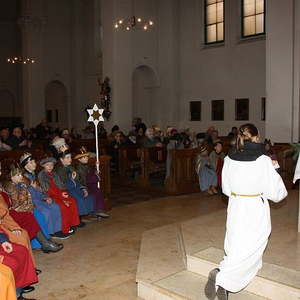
(133, 23)
(20, 60)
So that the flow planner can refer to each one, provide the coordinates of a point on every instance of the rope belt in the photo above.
(239, 195)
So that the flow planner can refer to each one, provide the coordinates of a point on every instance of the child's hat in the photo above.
(47, 160)
(25, 158)
(82, 152)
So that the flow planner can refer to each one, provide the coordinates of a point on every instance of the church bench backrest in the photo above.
(183, 177)
(129, 157)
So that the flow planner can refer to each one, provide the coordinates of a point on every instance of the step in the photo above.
(273, 281)
(182, 285)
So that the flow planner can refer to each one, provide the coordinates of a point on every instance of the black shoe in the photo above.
(52, 247)
(81, 224)
(222, 294)
(38, 271)
(210, 287)
(27, 289)
(60, 235)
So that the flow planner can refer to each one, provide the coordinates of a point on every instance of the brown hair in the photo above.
(245, 133)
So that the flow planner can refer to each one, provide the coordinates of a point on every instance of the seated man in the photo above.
(19, 260)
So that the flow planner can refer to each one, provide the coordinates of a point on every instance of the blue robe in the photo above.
(207, 175)
(85, 204)
(51, 212)
(35, 244)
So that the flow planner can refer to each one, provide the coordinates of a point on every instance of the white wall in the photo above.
(283, 66)
(186, 70)
(233, 70)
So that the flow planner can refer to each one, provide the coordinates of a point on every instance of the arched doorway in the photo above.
(144, 95)
(56, 104)
(7, 103)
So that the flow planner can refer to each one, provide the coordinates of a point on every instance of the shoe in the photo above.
(61, 236)
(22, 298)
(81, 224)
(214, 190)
(38, 271)
(210, 192)
(222, 294)
(72, 231)
(102, 214)
(28, 289)
(210, 287)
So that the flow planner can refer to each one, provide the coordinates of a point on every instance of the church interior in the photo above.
(109, 110)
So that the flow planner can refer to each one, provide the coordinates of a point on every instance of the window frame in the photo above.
(242, 22)
(200, 117)
(212, 111)
(205, 25)
(236, 106)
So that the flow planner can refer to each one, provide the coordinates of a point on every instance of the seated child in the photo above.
(90, 181)
(52, 185)
(216, 158)
(207, 174)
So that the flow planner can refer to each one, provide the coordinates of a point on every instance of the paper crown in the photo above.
(25, 158)
(58, 143)
(82, 152)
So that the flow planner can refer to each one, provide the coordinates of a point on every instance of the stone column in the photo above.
(282, 70)
(32, 24)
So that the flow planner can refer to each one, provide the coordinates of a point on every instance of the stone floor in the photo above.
(100, 261)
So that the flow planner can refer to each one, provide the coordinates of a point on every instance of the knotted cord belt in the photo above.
(240, 195)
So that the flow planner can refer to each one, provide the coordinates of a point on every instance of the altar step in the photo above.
(272, 282)
(184, 285)
(171, 267)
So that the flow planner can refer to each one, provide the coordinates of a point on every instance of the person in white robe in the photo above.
(249, 179)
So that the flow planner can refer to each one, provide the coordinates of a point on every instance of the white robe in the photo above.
(248, 223)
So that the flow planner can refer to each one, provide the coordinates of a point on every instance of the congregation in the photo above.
(47, 200)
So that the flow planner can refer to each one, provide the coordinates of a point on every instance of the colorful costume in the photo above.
(7, 286)
(50, 211)
(20, 262)
(52, 185)
(74, 188)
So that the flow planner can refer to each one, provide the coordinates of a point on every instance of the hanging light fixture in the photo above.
(133, 23)
(20, 60)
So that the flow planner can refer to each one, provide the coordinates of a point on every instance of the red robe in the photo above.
(26, 220)
(20, 262)
(69, 214)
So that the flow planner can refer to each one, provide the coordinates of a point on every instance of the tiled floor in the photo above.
(100, 261)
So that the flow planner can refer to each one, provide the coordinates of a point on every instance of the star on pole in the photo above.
(95, 115)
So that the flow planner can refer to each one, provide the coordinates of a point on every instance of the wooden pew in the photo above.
(183, 178)
(153, 160)
(129, 160)
(105, 178)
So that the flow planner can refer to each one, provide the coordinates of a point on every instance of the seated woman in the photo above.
(17, 141)
(53, 186)
(207, 174)
(22, 208)
(69, 178)
(150, 140)
(19, 260)
(7, 286)
(42, 201)
(90, 181)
